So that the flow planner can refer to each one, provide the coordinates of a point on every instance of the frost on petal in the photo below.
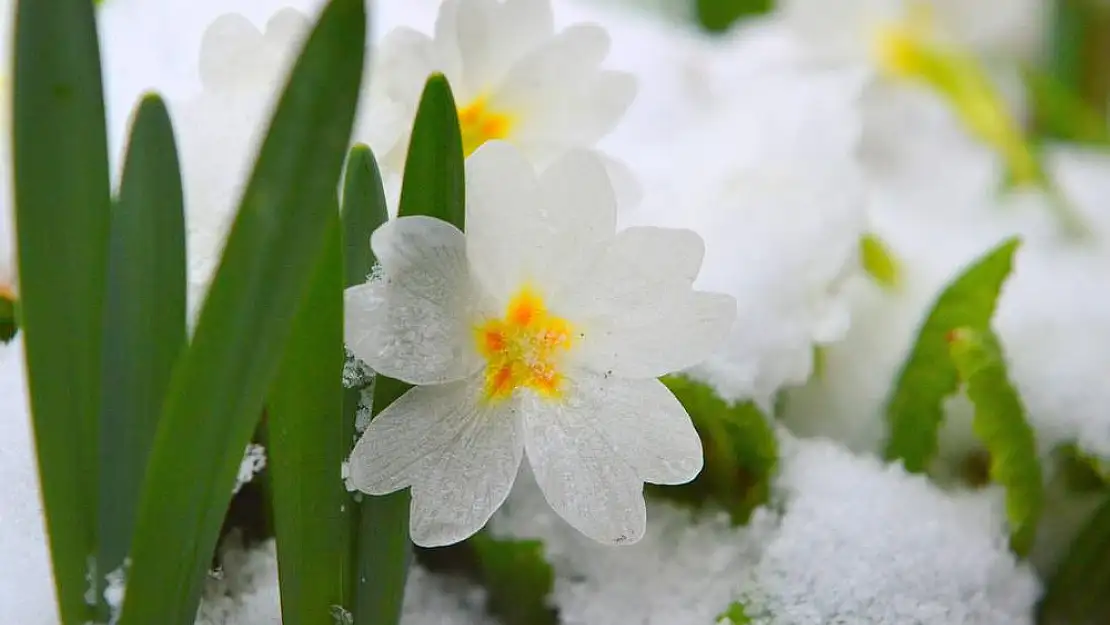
(520, 229)
(585, 466)
(460, 457)
(636, 310)
(412, 322)
(456, 492)
(892, 548)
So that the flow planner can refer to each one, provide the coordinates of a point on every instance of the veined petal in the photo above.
(681, 331)
(457, 491)
(581, 470)
(524, 230)
(640, 265)
(412, 322)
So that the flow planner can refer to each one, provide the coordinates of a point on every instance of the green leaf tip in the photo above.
(1000, 423)
(878, 261)
(741, 452)
(433, 182)
(914, 409)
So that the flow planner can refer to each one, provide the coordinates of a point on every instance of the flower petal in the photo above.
(491, 36)
(541, 232)
(412, 323)
(579, 467)
(456, 493)
(680, 332)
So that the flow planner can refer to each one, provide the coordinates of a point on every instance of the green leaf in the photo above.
(1076, 594)
(517, 578)
(145, 319)
(434, 186)
(741, 452)
(1001, 425)
(8, 322)
(734, 615)
(270, 259)
(308, 443)
(915, 407)
(878, 261)
(62, 212)
(364, 209)
(720, 15)
(1061, 113)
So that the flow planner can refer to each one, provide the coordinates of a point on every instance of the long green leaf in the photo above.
(308, 444)
(63, 206)
(145, 319)
(433, 185)
(269, 261)
(364, 209)
(915, 408)
(1076, 592)
(1001, 425)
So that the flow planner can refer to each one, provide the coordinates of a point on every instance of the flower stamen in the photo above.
(479, 124)
(523, 348)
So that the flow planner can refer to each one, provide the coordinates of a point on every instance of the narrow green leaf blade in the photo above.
(308, 444)
(364, 209)
(1076, 592)
(1001, 425)
(433, 185)
(269, 261)
(145, 319)
(915, 407)
(62, 211)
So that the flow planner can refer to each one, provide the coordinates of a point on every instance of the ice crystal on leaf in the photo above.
(539, 331)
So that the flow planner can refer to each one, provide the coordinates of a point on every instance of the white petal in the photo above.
(557, 65)
(403, 61)
(458, 491)
(412, 323)
(491, 36)
(639, 267)
(680, 332)
(543, 232)
(579, 467)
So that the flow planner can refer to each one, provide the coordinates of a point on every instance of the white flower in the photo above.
(773, 187)
(891, 34)
(513, 77)
(219, 130)
(538, 332)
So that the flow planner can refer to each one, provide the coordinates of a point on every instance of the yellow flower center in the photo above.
(524, 348)
(902, 48)
(910, 49)
(479, 124)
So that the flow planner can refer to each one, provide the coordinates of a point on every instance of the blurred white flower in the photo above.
(513, 77)
(773, 187)
(537, 331)
(219, 130)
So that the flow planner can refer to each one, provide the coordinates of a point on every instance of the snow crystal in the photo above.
(254, 460)
(355, 372)
(247, 593)
(861, 542)
(683, 572)
(115, 590)
(26, 578)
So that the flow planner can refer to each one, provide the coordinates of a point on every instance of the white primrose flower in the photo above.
(513, 77)
(538, 332)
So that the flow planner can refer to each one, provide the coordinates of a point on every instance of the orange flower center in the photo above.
(479, 124)
(523, 349)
